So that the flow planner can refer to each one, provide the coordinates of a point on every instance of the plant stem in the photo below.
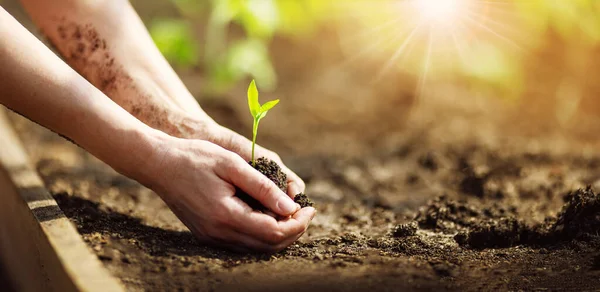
(254, 133)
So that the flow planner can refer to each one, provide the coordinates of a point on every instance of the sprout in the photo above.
(258, 112)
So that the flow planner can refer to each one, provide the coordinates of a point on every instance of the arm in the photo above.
(195, 178)
(106, 42)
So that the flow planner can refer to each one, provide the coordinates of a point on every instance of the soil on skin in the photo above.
(272, 171)
(441, 201)
(389, 221)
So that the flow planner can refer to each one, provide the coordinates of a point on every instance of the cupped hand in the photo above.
(239, 144)
(196, 179)
(183, 124)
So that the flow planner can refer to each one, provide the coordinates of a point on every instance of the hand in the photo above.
(239, 144)
(196, 179)
(209, 130)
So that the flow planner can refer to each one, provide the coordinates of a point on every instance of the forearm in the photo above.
(37, 84)
(107, 43)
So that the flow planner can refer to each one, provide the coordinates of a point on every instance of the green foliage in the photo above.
(228, 58)
(257, 111)
(249, 57)
(174, 38)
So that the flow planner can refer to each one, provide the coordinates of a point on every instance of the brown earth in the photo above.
(272, 171)
(5, 284)
(420, 214)
(414, 194)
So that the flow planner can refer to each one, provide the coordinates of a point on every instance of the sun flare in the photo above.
(434, 38)
(442, 11)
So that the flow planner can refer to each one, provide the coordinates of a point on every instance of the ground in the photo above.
(450, 190)
(387, 220)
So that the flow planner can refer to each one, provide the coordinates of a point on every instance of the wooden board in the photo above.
(39, 247)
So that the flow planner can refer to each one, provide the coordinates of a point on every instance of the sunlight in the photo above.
(443, 11)
(431, 39)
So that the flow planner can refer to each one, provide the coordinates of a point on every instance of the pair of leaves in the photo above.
(257, 110)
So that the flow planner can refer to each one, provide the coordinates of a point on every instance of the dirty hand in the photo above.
(239, 144)
(196, 179)
(205, 128)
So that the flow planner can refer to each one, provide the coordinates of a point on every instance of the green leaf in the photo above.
(253, 99)
(268, 105)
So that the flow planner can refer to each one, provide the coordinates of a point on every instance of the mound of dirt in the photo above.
(579, 219)
(407, 229)
(449, 216)
(303, 200)
(271, 170)
(504, 232)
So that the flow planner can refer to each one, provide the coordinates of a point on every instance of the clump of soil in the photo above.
(476, 226)
(271, 170)
(407, 229)
(505, 232)
(303, 200)
(447, 215)
(580, 217)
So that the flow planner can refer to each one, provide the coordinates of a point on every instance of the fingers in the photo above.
(242, 146)
(244, 230)
(239, 173)
(294, 182)
(265, 228)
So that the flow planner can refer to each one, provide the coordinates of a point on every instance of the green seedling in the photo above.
(258, 112)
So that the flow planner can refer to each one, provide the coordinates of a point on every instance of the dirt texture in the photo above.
(412, 193)
(303, 200)
(417, 215)
(272, 171)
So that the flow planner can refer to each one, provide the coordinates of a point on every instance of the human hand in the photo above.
(196, 179)
(207, 129)
(239, 144)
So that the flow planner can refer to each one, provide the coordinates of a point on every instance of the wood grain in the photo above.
(39, 246)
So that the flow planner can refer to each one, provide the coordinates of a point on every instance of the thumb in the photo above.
(258, 186)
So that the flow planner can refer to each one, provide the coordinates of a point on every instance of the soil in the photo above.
(272, 171)
(420, 214)
(440, 201)
(303, 200)
(5, 284)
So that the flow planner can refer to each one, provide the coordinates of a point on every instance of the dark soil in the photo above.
(579, 219)
(271, 170)
(303, 200)
(5, 284)
(389, 221)
(449, 204)
(406, 229)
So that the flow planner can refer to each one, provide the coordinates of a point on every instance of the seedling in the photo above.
(258, 112)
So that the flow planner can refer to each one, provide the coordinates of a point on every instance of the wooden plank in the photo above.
(39, 247)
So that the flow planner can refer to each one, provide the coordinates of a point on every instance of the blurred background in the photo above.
(355, 75)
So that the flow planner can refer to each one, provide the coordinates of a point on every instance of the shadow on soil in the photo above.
(91, 218)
